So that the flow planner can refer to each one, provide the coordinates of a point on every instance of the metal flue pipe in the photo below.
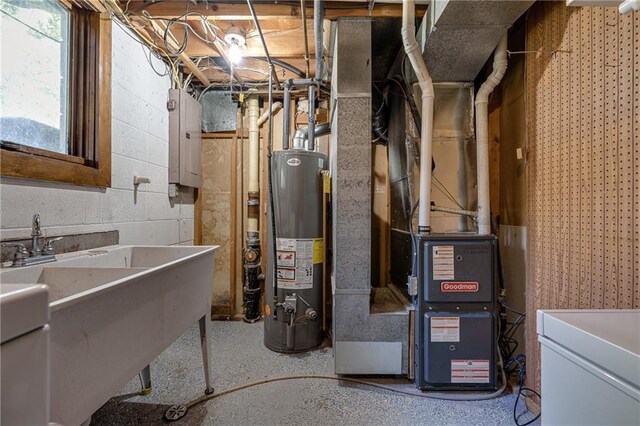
(412, 50)
(482, 135)
(286, 119)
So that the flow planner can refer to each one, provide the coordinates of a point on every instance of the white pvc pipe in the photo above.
(412, 50)
(254, 154)
(482, 135)
(629, 6)
(277, 106)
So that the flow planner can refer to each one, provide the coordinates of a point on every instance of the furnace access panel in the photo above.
(456, 312)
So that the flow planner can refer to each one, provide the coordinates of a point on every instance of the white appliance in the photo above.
(590, 366)
(24, 354)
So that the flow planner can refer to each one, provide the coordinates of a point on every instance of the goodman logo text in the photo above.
(459, 287)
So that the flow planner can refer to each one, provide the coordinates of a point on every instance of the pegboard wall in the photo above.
(583, 153)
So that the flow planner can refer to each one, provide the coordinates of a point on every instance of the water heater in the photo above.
(293, 303)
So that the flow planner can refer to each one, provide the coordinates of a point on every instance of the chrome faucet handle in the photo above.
(35, 226)
(48, 245)
(21, 255)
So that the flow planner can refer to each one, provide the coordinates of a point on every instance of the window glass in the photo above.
(34, 63)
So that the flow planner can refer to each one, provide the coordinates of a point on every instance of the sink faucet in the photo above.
(36, 233)
(40, 253)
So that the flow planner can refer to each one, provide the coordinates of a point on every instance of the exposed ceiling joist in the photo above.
(239, 11)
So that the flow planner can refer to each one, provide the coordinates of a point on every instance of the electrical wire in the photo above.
(117, 16)
(418, 394)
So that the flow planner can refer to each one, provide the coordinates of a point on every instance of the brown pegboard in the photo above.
(583, 125)
(586, 156)
(636, 159)
(625, 162)
(611, 93)
(575, 159)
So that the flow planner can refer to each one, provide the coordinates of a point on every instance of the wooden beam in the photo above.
(240, 11)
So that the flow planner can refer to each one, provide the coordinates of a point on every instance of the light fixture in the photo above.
(236, 43)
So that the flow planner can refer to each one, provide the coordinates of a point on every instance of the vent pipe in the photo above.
(482, 135)
(412, 49)
(251, 253)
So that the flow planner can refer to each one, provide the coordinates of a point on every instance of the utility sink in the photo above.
(24, 350)
(113, 310)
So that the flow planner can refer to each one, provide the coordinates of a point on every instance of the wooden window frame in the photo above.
(90, 123)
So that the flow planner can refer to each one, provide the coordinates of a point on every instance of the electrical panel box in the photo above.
(185, 138)
(456, 312)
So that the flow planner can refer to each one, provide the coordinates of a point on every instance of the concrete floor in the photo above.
(240, 357)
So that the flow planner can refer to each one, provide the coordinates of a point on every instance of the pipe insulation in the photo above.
(412, 49)
(318, 19)
(482, 135)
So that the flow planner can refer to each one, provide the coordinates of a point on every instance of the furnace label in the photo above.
(295, 263)
(459, 287)
(445, 329)
(443, 263)
(469, 371)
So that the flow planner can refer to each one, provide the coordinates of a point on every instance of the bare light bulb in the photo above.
(235, 53)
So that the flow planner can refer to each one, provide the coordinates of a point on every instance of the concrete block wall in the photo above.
(139, 147)
(359, 336)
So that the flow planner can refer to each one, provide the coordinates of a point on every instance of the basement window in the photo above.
(55, 92)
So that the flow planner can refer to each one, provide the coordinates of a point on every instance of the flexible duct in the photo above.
(412, 50)
(482, 135)
(379, 113)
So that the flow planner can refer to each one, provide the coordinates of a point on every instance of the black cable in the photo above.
(280, 63)
(271, 202)
(515, 406)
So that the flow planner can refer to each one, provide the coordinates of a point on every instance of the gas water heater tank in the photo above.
(294, 322)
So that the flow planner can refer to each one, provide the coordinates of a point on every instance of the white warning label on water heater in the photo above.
(443, 268)
(295, 263)
(445, 329)
(469, 371)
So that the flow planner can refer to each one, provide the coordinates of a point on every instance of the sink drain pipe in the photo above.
(252, 255)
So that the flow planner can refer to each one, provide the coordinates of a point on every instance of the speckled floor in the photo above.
(240, 357)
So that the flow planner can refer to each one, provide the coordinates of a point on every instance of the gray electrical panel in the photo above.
(456, 312)
(185, 138)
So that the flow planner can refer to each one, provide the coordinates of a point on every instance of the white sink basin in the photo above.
(113, 310)
(24, 351)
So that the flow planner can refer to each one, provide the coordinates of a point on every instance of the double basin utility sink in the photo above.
(112, 311)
